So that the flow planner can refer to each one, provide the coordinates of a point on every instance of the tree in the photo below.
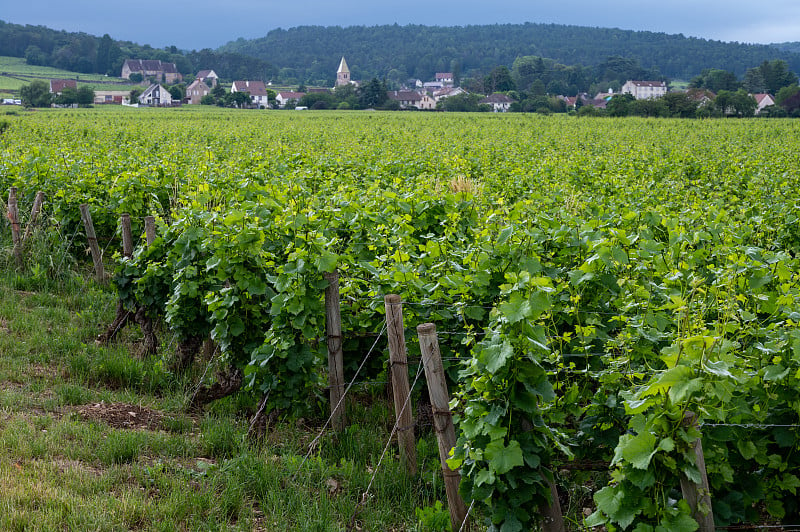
(499, 80)
(177, 92)
(136, 77)
(460, 103)
(786, 92)
(36, 94)
(372, 94)
(237, 99)
(715, 79)
(68, 96)
(618, 105)
(103, 60)
(208, 99)
(85, 95)
(133, 97)
(753, 81)
(776, 75)
(679, 105)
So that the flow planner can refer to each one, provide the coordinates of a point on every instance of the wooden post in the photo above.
(37, 206)
(127, 236)
(333, 326)
(150, 229)
(553, 518)
(92, 238)
(698, 496)
(442, 420)
(400, 388)
(13, 217)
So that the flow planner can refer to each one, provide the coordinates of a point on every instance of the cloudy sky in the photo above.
(208, 24)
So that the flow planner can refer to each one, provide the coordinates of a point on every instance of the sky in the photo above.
(211, 23)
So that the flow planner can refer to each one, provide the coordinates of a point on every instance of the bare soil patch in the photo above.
(122, 415)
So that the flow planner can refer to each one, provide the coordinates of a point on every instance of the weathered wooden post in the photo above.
(37, 206)
(442, 419)
(400, 388)
(333, 325)
(698, 496)
(13, 218)
(150, 229)
(553, 518)
(127, 235)
(92, 238)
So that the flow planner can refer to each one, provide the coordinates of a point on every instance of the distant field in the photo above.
(15, 72)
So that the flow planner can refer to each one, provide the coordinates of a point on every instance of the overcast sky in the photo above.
(209, 24)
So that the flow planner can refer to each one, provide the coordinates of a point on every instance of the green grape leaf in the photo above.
(503, 458)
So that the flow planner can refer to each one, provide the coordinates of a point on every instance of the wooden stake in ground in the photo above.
(37, 206)
(127, 235)
(553, 519)
(400, 388)
(442, 419)
(92, 238)
(13, 218)
(150, 229)
(698, 496)
(333, 326)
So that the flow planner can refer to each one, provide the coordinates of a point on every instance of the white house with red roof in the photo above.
(256, 89)
(645, 90)
(286, 96)
(763, 100)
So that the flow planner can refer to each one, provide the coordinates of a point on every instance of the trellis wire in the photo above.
(365, 495)
(344, 395)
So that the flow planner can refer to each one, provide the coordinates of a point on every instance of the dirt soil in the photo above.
(122, 416)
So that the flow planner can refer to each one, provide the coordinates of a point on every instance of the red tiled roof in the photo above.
(58, 85)
(405, 96)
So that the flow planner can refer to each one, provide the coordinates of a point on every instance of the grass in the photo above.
(16, 72)
(66, 464)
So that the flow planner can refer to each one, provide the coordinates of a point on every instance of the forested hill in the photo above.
(81, 52)
(793, 47)
(313, 52)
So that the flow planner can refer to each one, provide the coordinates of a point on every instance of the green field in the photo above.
(592, 282)
(15, 72)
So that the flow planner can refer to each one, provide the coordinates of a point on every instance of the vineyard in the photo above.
(606, 293)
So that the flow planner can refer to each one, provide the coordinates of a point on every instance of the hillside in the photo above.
(312, 52)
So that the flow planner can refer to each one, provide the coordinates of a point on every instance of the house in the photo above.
(342, 74)
(196, 90)
(427, 102)
(285, 97)
(151, 68)
(110, 97)
(445, 78)
(257, 91)
(702, 97)
(643, 90)
(406, 99)
(57, 86)
(209, 77)
(447, 92)
(763, 100)
(499, 102)
(156, 96)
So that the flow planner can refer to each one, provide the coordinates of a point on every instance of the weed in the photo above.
(121, 447)
(70, 394)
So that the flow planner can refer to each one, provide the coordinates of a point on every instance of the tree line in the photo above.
(303, 54)
(87, 54)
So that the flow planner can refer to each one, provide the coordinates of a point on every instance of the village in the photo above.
(163, 86)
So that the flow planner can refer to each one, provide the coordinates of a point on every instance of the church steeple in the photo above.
(343, 74)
